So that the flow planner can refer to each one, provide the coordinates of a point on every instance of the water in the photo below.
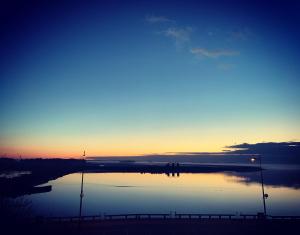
(113, 193)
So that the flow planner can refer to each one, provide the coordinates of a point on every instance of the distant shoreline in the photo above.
(167, 168)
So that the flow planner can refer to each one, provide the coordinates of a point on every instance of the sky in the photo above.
(146, 77)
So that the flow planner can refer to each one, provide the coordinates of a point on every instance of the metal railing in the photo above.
(138, 216)
(166, 216)
(285, 217)
(204, 216)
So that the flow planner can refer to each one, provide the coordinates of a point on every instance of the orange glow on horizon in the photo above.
(136, 144)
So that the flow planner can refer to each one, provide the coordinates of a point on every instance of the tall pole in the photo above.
(262, 187)
(81, 194)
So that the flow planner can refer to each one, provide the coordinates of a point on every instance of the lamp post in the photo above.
(264, 195)
(81, 193)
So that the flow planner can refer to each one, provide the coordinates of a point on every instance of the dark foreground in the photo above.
(162, 226)
(40, 171)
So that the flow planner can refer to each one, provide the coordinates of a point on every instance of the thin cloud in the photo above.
(180, 35)
(157, 19)
(213, 53)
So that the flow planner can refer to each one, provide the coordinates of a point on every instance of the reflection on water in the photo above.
(274, 175)
(158, 193)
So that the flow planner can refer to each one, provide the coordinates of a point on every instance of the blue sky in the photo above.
(121, 78)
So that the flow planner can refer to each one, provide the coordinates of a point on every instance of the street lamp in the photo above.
(81, 193)
(264, 195)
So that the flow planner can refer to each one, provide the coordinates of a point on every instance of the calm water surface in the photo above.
(158, 193)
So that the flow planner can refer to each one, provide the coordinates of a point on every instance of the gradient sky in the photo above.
(119, 78)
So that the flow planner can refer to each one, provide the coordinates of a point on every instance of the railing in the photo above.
(166, 216)
(204, 216)
(73, 218)
(251, 216)
(285, 217)
(138, 216)
(108, 217)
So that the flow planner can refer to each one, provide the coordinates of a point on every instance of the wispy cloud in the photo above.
(213, 53)
(182, 39)
(180, 35)
(158, 19)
